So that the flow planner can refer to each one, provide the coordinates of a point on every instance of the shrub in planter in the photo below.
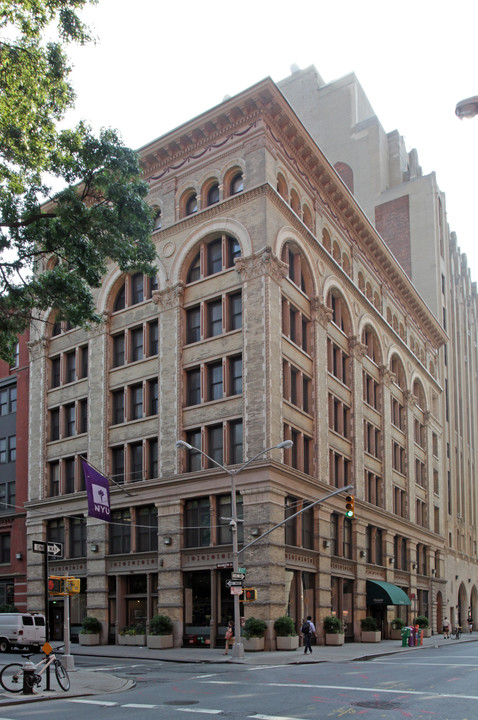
(90, 626)
(160, 632)
(284, 627)
(160, 625)
(133, 630)
(254, 628)
(333, 625)
(369, 624)
(422, 622)
(398, 624)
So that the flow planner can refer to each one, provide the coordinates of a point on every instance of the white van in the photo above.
(21, 630)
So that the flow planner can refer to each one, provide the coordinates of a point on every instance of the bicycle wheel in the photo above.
(11, 677)
(62, 676)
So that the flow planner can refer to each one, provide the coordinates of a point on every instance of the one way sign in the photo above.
(55, 549)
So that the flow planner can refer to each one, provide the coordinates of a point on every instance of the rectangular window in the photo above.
(193, 325)
(120, 532)
(197, 522)
(193, 386)
(83, 369)
(193, 462)
(137, 290)
(5, 548)
(214, 318)
(136, 402)
(308, 529)
(290, 526)
(4, 402)
(152, 397)
(153, 338)
(215, 444)
(118, 407)
(235, 442)
(55, 424)
(117, 464)
(55, 372)
(83, 415)
(224, 515)
(70, 419)
(70, 367)
(136, 344)
(118, 350)
(3, 450)
(214, 256)
(214, 381)
(136, 461)
(146, 529)
(152, 458)
(235, 375)
(54, 479)
(55, 531)
(69, 473)
(77, 537)
(235, 311)
(12, 448)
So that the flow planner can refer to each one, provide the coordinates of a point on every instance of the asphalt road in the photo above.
(434, 684)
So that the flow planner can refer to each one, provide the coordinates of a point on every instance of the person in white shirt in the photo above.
(308, 635)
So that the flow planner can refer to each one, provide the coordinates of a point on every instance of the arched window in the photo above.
(191, 205)
(341, 316)
(419, 394)
(157, 219)
(369, 338)
(295, 202)
(237, 184)
(346, 264)
(361, 283)
(337, 255)
(299, 272)
(326, 240)
(398, 370)
(213, 194)
(215, 254)
(120, 299)
(282, 187)
(134, 289)
(307, 217)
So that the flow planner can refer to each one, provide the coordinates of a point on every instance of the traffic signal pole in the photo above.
(47, 619)
(267, 532)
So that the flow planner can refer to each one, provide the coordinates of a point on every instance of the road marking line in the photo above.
(142, 706)
(103, 703)
(303, 686)
(443, 664)
(272, 717)
(204, 711)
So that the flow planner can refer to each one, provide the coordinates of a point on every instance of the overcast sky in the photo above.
(158, 63)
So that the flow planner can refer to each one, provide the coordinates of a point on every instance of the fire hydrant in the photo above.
(28, 674)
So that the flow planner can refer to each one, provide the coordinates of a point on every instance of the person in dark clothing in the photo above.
(308, 631)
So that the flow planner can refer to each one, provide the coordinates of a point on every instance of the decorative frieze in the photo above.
(169, 298)
(262, 263)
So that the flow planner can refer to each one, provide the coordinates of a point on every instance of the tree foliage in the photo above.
(99, 214)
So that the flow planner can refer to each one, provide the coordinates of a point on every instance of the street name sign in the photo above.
(237, 576)
(233, 583)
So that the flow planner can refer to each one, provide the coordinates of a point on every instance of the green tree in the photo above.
(99, 214)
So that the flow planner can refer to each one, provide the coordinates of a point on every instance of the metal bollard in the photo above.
(28, 673)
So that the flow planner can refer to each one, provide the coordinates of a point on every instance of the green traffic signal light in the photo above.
(349, 506)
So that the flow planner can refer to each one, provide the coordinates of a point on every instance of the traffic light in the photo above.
(72, 585)
(55, 585)
(250, 594)
(349, 506)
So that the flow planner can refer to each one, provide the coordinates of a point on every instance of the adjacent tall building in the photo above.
(278, 312)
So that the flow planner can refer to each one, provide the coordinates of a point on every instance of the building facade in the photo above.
(14, 387)
(278, 312)
(409, 211)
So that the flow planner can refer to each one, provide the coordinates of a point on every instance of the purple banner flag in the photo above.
(98, 493)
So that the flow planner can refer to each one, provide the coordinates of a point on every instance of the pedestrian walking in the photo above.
(230, 635)
(446, 628)
(470, 624)
(308, 631)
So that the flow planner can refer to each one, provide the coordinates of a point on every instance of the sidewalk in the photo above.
(88, 682)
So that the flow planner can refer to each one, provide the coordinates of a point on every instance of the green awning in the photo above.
(384, 593)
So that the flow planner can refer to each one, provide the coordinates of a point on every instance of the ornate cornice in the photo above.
(357, 348)
(321, 311)
(37, 348)
(386, 375)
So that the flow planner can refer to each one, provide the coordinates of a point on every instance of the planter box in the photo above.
(89, 638)
(427, 632)
(395, 634)
(160, 642)
(131, 640)
(254, 644)
(287, 643)
(371, 636)
(334, 638)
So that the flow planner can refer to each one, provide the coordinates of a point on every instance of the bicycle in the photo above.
(11, 676)
(456, 632)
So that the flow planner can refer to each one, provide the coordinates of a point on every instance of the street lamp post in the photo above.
(238, 647)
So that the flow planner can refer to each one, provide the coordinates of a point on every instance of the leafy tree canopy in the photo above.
(101, 211)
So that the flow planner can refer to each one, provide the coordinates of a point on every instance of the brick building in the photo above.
(278, 312)
(14, 388)
(409, 211)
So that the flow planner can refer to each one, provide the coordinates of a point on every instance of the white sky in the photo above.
(159, 63)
